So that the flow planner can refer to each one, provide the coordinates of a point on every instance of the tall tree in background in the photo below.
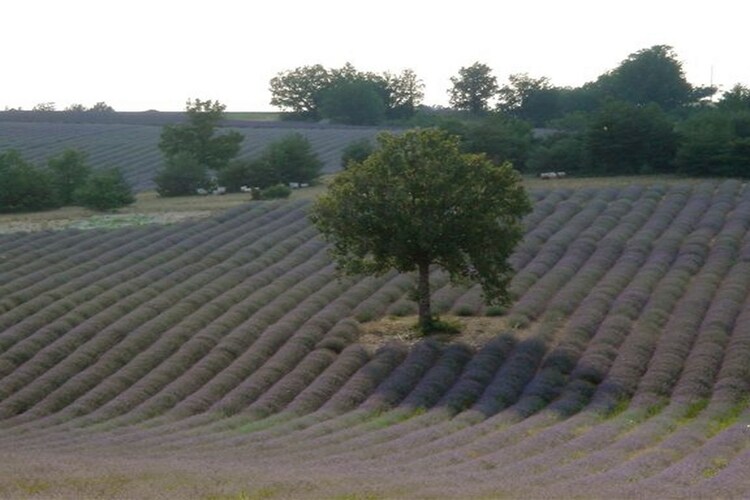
(70, 171)
(405, 93)
(346, 95)
(532, 99)
(418, 201)
(198, 138)
(191, 149)
(299, 90)
(652, 75)
(473, 88)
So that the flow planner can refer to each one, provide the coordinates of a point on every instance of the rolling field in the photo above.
(222, 358)
(134, 147)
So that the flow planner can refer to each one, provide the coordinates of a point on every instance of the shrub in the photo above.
(182, 176)
(24, 187)
(356, 151)
(70, 172)
(106, 190)
(291, 159)
(277, 191)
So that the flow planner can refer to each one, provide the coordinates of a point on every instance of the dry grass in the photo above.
(150, 208)
(475, 331)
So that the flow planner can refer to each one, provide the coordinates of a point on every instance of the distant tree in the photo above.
(77, 108)
(291, 159)
(715, 143)
(473, 88)
(101, 107)
(356, 151)
(70, 172)
(500, 137)
(346, 95)
(105, 190)
(405, 93)
(652, 75)
(417, 201)
(286, 160)
(735, 99)
(182, 175)
(559, 153)
(532, 99)
(625, 139)
(44, 106)
(198, 137)
(24, 187)
(299, 90)
(353, 102)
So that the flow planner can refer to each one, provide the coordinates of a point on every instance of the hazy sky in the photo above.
(155, 54)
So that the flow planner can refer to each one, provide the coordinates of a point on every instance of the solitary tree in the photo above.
(472, 88)
(191, 149)
(418, 201)
(198, 136)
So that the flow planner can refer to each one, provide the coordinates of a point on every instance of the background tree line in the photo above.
(347, 95)
(641, 117)
(199, 159)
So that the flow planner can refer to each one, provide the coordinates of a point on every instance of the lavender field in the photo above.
(222, 358)
(133, 148)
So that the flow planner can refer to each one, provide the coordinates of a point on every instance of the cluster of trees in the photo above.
(65, 180)
(641, 117)
(347, 95)
(198, 158)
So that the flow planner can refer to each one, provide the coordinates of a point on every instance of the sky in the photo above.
(137, 55)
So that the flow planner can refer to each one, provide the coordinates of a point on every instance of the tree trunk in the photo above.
(423, 294)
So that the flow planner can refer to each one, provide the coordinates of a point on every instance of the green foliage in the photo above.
(473, 88)
(715, 143)
(735, 99)
(561, 152)
(240, 173)
(356, 151)
(24, 187)
(404, 93)
(70, 172)
(500, 138)
(275, 191)
(353, 102)
(532, 99)
(198, 137)
(182, 175)
(299, 90)
(624, 139)
(346, 95)
(105, 190)
(652, 75)
(290, 159)
(417, 201)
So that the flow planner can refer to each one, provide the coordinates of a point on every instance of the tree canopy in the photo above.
(191, 149)
(198, 136)
(652, 75)
(418, 201)
(473, 88)
(346, 95)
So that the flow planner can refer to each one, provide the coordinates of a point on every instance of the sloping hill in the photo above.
(223, 357)
(134, 147)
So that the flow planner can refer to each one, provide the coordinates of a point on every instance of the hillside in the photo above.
(222, 358)
(133, 147)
